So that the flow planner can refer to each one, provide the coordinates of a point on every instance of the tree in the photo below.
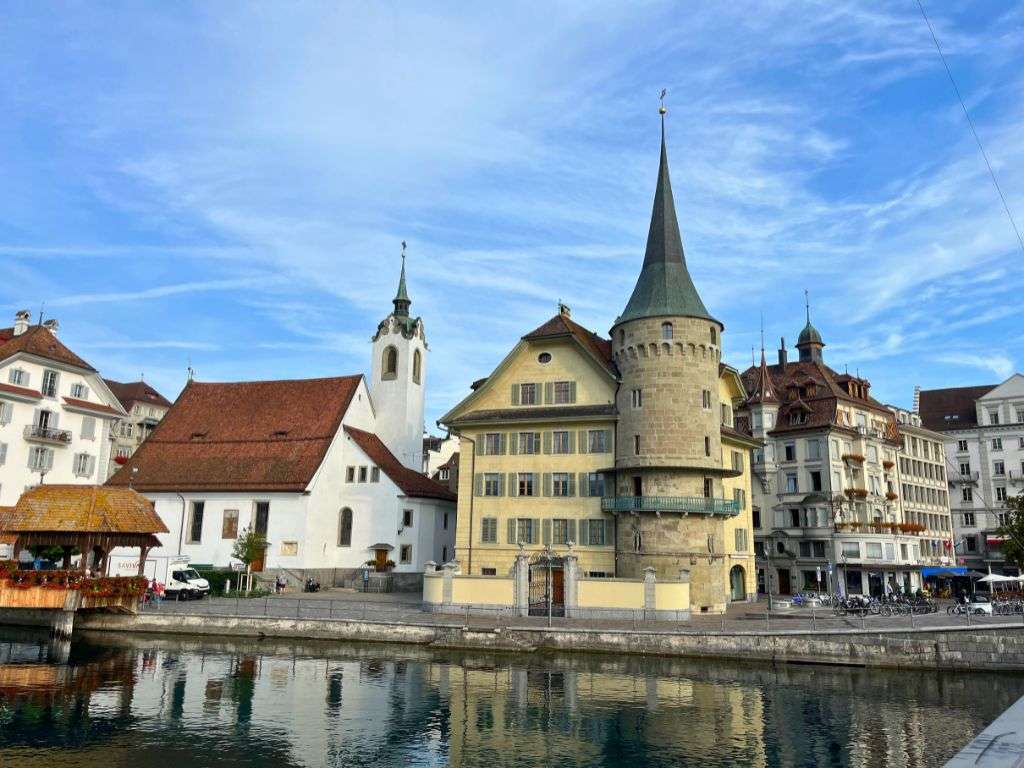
(1012, 531)
(249, 546)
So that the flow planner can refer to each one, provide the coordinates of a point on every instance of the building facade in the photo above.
(307, 464)
(983, 433)
(145, 407)
(828, 514)
(625, 448)
(56, 412)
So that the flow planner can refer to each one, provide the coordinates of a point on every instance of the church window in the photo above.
(666, 330)
(345, 528)
(390, 367)
(417, 365)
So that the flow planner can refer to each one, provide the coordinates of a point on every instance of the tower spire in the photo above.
(807, 304)
(810, 342)
(401, 300)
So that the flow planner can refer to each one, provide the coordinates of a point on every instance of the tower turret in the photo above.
(809, 343)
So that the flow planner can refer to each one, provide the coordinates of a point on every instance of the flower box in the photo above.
(853, 457)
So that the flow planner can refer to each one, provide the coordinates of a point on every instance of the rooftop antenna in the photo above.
(41, 308)
(190, 371)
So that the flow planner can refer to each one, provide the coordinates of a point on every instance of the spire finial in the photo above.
(807, 304)
(762, 333)
(662, 110)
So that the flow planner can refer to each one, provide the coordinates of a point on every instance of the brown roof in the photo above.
(952, 408)
(535, 414)
(562, 325)
(39, 341)
(254, 435)
(136, 392)
(22, 391)
(96, 407)
(411, 482)
(81, 509)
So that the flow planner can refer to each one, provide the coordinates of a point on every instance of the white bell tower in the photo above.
(398, 378)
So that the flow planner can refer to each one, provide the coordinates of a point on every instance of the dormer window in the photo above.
(50, 379)
(18, 377)
(79, 391)
(196, 436)
(280, 433)
(666, 331)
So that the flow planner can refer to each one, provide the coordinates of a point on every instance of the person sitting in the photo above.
(281, 583)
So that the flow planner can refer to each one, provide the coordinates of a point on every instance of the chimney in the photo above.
(22, 320)
(563, 310)
(783, 355)
(52, 326)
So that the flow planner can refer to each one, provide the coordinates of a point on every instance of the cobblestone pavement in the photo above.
(406, 608)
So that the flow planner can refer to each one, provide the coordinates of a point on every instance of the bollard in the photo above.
(813, 625)
(767, 621)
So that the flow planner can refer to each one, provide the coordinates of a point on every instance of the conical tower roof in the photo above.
(764, 389)
(664, 287)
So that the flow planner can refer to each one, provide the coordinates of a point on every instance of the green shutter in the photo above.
(572, 484)
(547, 532)
(512, 531)
(572, 532)
(501, 485)
(547, 442)
(513, 486)
(515, 394)
(536, 442)
(547, 483)
(584, 532)
(603, 538)
(572, 441)
(501, 444)
(513, 443)
(549, 393)
(572, 391)
(607, 441)
(479, 480)
(481, 445)
(584, 445)
(584, 484)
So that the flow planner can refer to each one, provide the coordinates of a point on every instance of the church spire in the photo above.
(664, 287)
(402, 300)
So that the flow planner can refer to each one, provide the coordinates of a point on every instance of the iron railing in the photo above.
(698, 505)
(36, 432)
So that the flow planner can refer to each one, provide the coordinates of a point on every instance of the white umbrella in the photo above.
(996, 578)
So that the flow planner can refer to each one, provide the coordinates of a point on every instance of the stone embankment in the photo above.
(953, 648)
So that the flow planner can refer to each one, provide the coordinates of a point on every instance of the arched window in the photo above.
(417, 361)
(714, 337)
(666, 330)
(390, 367)
(345, 528)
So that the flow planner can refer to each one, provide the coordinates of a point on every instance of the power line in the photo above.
(970, 122)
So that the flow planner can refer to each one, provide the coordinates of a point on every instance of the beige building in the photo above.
(145, 408)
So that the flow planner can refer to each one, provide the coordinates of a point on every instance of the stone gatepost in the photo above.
(571, 571)
(449, 570)
(649, 581)
(521, 582)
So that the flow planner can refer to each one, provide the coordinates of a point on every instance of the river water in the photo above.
(107, 701)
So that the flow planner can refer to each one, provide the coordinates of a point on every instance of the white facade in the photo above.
(432, 459)
(43, 437)
(397, 384)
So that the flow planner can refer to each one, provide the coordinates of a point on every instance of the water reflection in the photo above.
(140, 701)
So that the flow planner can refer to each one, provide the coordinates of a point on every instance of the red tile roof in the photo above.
(255, 435)
(95, 407)
(562, 325)
(136, 392)
(411, 482)
(22, 391)
(39, 341)
(952, 408)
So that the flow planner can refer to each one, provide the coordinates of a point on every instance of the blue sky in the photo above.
(228, 183)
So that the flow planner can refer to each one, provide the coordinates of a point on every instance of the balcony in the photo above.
(691, 505)
(40, 434)
(964, 477)
(1017, 478)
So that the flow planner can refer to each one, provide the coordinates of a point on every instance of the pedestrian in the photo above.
(280, 584)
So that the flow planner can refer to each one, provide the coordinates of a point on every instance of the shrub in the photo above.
(218, 579)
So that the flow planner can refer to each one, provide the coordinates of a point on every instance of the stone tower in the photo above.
(398, 377)
(668, 455)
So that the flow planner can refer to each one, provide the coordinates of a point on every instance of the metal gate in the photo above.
(547, 586)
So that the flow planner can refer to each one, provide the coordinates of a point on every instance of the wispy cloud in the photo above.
(1000, 365)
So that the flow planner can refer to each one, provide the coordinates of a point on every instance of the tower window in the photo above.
(714, 335)
(706, 398)
(666, 330)
(636, 445)
(622, 338)
(390, 367)
(417, 365)
(707, 445)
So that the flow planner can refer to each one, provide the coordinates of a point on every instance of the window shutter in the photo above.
(572, 531)
(607, 441)
(583, 441)
(48, 459)
(92, 465)
(584, 532)
(513, 443)
(512, 531)
(513, 486)
(547, 442)
(479, 481)
(501, 487)
(35, 416)
(501, 444)
(54, 420)
(515, 394)
(88, 427)
(3, 453)
(549, 393)
(584, 484)
(547, 532)
(481, 445)
(5, 413)
(572, 391)
(547, 483)
(536, 442)
(572, 484)
(572, 441)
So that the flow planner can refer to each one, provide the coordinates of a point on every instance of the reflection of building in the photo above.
(327, 470)
(827, 485)
(983, 429)
(55, 412)
(145, 407)
(626, 447)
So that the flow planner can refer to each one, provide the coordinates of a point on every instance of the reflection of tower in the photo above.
(398, 377)
(668, 455)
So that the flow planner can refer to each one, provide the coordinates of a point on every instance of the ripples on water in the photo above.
(109, 701)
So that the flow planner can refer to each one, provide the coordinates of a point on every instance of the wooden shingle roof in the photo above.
(81, 509)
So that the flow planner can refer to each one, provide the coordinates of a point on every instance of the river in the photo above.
(112, 701)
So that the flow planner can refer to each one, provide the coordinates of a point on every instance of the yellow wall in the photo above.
(433, 589)
(609, 593)
(477, 590)
(729, 392)
(594, 386)
(671, 596)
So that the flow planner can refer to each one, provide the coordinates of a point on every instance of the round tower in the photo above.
(668, 456)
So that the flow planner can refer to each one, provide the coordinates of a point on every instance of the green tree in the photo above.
(1012, 531)
(249, 546)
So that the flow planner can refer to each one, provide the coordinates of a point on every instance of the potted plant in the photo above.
(888, 464)
(891, 495)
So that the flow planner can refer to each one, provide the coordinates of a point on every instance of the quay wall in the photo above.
(960, 648)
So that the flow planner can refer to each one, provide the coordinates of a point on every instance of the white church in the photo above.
(328, 470)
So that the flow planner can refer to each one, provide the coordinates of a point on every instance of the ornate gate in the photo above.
(547, 586)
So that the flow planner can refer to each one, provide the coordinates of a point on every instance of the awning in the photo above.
(950, 572)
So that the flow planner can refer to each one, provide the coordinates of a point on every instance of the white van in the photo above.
(180, 580)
